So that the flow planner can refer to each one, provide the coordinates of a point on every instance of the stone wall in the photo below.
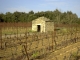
(45, 24)
(49, 26)
(38, 22)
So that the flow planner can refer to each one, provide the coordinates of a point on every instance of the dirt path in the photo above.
(59, 54)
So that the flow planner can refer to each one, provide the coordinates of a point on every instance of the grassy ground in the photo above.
(64, 30)
(19, 30)
(15, 30)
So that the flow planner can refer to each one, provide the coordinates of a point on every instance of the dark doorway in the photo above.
(38, 28)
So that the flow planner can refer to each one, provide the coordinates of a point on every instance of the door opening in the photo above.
(38, 28)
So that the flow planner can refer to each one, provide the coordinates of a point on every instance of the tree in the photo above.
(56, 16)
(31, 12)
(1, 17)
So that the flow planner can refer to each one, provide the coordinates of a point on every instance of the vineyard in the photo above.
(18, 42)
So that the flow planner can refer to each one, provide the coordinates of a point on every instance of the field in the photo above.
(20, 43)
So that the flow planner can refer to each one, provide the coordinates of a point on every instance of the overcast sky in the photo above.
(40, 5)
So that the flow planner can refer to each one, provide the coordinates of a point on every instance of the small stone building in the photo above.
(42, 24)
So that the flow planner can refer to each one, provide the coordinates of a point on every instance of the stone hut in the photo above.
(42, 24)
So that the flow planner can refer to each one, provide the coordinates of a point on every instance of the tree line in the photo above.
(56, 16)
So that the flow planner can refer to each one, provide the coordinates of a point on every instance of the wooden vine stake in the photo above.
(25, 47)
(1, 35)
(52, 41)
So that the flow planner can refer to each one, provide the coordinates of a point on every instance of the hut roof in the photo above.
(43, 18)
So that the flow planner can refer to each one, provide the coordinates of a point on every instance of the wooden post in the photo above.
(55, 40)
(52, 41)
(17, 30)
(25, 47)
(1, 35)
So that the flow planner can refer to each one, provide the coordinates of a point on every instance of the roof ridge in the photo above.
(44, 18)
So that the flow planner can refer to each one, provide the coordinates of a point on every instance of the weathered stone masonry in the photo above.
(42, 24)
